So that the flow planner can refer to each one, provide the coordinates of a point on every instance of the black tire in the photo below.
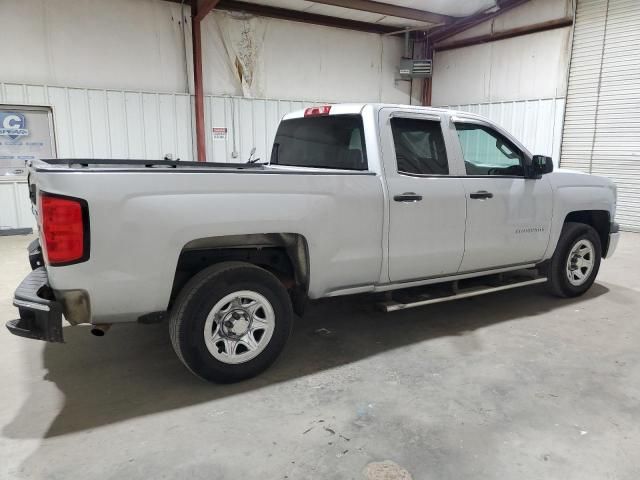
(195, 302)
(558, 283)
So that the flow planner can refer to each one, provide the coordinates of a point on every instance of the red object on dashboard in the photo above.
(65, 229)
(317, 111)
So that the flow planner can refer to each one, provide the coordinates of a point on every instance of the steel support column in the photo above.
(199, 10)
(198, 89)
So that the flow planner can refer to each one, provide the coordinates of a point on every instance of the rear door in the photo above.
(426, 200)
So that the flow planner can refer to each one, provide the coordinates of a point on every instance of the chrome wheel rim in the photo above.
(580, 262)
(239, 327)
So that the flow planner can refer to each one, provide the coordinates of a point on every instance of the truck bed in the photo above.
(141, 220)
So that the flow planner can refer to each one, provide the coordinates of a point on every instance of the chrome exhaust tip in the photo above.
(100, 330)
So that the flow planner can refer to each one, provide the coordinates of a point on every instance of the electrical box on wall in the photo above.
(410, 68)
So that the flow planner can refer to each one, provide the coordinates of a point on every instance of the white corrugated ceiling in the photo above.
(454, 8)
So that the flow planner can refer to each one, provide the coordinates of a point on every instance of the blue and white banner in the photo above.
(13, 125)
(25, 134)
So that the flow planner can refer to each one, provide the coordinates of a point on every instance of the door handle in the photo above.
(482, 195)
(408, 197)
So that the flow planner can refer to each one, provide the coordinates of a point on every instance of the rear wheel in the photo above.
(230, 322)
(576, 261)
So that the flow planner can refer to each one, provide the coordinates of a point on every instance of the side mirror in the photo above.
(541, 164)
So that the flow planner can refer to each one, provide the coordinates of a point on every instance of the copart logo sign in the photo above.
(13, 125)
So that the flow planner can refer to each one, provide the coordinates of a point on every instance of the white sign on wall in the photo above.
(26, 133)
(219, 133)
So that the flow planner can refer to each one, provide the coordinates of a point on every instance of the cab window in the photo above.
(419, 146)
(333, 141)
(486, 152)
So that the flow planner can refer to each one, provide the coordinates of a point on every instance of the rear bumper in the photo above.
(614, 237)
(40, 314)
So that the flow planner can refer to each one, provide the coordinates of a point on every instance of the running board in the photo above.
(392, 305)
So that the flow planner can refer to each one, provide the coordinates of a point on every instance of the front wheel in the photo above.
(576, 261)
(230, 322)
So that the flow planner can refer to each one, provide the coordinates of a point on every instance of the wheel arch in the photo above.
(286, 255)
(600, 220)
(598, 217)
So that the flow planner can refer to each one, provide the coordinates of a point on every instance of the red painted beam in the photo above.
(466, 23)
(513, 32)
(390, 10)
(199, 10)
(303, 17)
(203, 7)
(427, 86)
(196, 38)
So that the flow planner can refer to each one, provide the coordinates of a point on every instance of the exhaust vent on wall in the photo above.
(410, 68)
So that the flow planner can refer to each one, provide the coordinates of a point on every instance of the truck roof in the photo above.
(356, 108)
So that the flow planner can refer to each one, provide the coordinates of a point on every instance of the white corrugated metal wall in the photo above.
(15, 208)
(536, 123)
(602, 119)
(251, 122)
(93, 123)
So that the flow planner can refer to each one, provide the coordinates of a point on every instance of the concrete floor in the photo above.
(516, 385)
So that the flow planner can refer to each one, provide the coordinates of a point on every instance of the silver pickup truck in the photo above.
(355, 198)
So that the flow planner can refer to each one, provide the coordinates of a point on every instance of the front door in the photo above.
(508, 215)
(426, 203)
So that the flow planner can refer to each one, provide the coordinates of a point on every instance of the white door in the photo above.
(508, 215)
(426, 204)
(602, 118)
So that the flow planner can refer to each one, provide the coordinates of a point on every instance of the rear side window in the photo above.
(419, 146)
(333, 141)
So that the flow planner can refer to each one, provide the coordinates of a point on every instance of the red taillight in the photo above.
(317, 111)
(64, 228)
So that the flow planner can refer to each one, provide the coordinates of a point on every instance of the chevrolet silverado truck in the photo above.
(355, 198)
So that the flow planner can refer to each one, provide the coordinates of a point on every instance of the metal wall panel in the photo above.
(602, 120)
(92, 123)
(15, 207)
(582, 92)
(536, 123)
(249, 122)
(616, 146)
(95, 123)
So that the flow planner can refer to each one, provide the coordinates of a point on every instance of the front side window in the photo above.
(486, 152)
(419, 146)
(332, 141)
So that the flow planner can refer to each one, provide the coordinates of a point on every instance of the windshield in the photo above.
(334, 141)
